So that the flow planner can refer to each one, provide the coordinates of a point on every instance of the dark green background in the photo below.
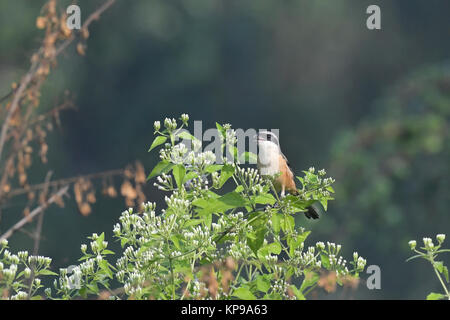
(371, 107)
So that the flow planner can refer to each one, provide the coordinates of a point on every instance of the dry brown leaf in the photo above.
(90, 197)
(127, 190)
(84, 33)
(111, 192)
(85, 208)
(6, 188)
(81, 49)
(328, 281)
(41, 22)
(140, 173)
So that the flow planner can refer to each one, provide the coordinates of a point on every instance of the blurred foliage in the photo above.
(393, 169)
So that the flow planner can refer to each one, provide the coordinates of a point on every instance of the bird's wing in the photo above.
(287, 162)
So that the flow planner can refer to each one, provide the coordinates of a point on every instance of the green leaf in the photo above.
(294, 242)
(265, 198)
(189, 176)
(276, 219)
(213, 168)
(221, 130)
(311, 279)
(445, 272)
(263, 283)
(288, 223)
(274, 247)
(244, 294)
(297, 293)
(158, 141)
(46, 272)
(324, 203)
(186, 135)
(439, 265)
(192, 222)
(302, 237)
(256, 239)
(325, 261)
(435, 296)
(103, 264)
(163, 166)
(179, 172)
(221, 204)
(176, 241)
(225, 174)
(100, 240)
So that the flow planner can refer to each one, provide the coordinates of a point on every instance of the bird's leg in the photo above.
(282, 192)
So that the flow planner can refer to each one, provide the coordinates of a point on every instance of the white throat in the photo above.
(268, 158)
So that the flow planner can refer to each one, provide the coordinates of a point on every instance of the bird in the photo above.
(273, 163)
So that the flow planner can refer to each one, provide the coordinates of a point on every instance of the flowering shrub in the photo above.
(430, 252)
(204, 243)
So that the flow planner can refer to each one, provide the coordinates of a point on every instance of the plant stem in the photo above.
(439, 276)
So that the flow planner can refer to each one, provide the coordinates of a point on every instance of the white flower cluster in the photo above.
(170, 124)
(302, 259)
(428, 243)
(225, 222)
(179, 206)
(185, 118)
(238, 250)
(359, 262)
(164, 182)
(230, 137)
(200, 160)
(252, 179)
(198, 186)
(8, 273)
(198, 237)
(21, 295)
(177, 154)
(333, 248)
(281, 286)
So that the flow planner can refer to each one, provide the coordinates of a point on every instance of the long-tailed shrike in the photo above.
(273, 163)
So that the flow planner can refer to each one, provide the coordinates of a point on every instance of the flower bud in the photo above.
(157, 125)
(184, 118)
(27, 272)
(412, 244)
(440, 238)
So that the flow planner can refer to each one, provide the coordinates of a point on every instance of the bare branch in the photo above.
(56, 183)
(93, 16)
(35, 212)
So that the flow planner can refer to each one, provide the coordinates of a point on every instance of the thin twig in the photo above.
(38, 231)
(94, 16)
(35, 212)
(15, 103)
(56, 183)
